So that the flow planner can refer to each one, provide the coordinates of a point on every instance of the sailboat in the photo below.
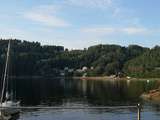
(7, 104)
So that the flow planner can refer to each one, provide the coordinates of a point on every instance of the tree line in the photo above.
(33, 59)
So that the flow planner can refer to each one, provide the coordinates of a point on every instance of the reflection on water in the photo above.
(69, 92)
(60, 91)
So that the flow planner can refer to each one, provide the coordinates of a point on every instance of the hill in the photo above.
(34, 59)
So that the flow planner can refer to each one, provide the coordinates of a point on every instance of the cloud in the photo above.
(116, 30)
(114, 8)
(90, 3)
(46, 15)
(100, 30)
(11, 33)
(136, 30)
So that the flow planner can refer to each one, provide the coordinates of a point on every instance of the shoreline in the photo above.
(83, 78)
(111, 78)
(152, 96)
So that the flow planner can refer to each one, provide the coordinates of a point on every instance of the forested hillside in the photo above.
(34, 59)
(145, 65)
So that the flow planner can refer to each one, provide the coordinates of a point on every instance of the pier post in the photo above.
(139, 111)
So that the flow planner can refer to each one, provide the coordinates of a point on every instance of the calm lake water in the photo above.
(67, 92)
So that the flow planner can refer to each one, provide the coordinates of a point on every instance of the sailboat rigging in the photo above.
(5, 75)
(6, 99)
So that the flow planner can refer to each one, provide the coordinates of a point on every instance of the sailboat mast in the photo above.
(5, 73)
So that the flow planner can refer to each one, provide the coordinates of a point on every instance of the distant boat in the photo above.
(6, 101)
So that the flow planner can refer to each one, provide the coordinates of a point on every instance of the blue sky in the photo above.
(81, 23)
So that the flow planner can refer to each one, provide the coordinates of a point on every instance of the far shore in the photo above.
(113, 78)
(83, 78)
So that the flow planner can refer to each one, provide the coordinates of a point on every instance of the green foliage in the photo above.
(145, 65)
(29, 58)
(34, 59)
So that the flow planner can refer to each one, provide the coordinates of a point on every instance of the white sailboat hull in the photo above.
(8, 108)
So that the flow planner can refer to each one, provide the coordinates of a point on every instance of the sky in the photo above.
(78, 24)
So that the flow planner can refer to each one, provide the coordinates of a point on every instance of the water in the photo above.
(67, 92)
